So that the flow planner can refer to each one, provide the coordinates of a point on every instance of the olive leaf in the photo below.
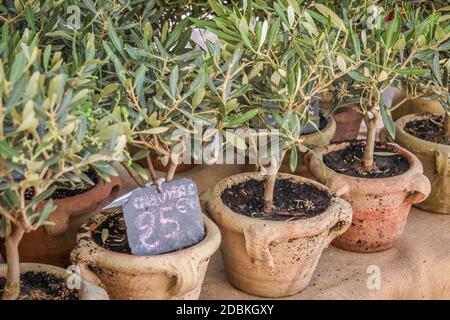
(105, 235)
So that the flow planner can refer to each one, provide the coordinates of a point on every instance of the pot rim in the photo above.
(39, 267)
(415, 166)
(86, 290)
(331, 126)
(88, 251)
(80, 197)
(424, 145)
(238, 222)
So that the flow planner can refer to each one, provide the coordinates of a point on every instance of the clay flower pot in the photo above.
(435, 159)
(274, 258)
(174, 275)
(380, 205)
(348, 120)
(311, 141)
(157, 164)
(418, 105)
(348, 123)
(86, 290)
(52, 244)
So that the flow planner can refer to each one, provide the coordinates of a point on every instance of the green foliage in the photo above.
(440, 80)
(160, 89)
(287, 56)
(396, 53)
(45, 137)
(76, 87)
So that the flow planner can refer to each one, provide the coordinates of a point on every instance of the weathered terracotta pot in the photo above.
(418, 105)
(274, 258)
(380, 206)
(348, 123)
(86, 290)
(435, 159)
(157, 164)
(348, 120)
(176, 275)
(52, 244)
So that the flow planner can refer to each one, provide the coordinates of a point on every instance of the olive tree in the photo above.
(398, 49)
(45, 139)
(290, 54)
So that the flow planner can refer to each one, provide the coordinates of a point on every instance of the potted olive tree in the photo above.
(426, 101)
(159, 94)
(427, 136)
(46, 154)
(275, 226)
(381, 181)
(78, 54)
(268, 48)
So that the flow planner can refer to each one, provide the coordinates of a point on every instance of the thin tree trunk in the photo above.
(171, 172)
(12, 287)
(130, 173)
(269, 186)
(150, 169)
(447, 124)
(269, 183)
(367, 163)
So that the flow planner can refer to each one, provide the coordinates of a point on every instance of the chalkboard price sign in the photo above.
(159, 222)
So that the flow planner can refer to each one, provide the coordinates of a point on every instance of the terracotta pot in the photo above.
(418, 105)
(348, 123)
(52, 244)
(86, 291)
(348, 120)
(157, 164)
(435, 159)
(274, 258)
(380, 206)
(175, 275)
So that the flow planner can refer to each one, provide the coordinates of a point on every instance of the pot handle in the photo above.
(419, 188)
(442, 163)
(257, 242)
(88, 275)
(60, 219)
(83, 258)
(384, 136)
(116, 185)
(186, 271)
(344, 220)
(307, 159)
(204, 198)
(338, 186)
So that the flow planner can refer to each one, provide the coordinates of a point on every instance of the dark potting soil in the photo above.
(430, 129)
(292, 200)
(42, 286)
(348, 161)
(116, 239)
(66, 190)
